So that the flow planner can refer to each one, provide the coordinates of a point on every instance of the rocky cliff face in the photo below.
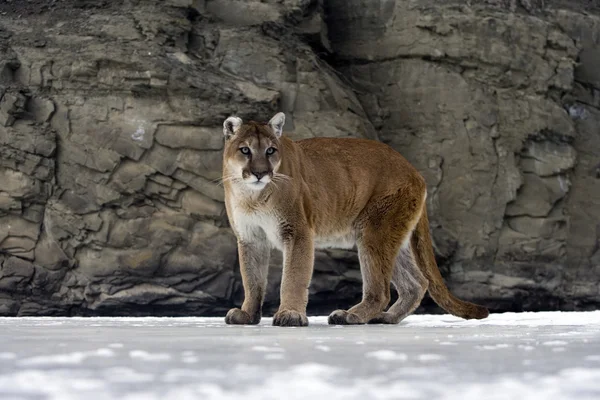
(110, 142)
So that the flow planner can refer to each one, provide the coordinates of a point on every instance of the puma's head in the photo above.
(252, 154)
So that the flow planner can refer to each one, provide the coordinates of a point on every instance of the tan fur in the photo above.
(327, 192)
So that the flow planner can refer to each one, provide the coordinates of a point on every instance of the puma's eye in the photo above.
(245, 150)
(271, 151)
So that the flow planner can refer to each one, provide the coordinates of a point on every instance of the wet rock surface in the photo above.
(110, 143)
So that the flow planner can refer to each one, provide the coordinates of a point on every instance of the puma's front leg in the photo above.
(254, 266)
(298, 260)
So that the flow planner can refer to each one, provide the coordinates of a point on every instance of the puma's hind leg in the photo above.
(376, 267)
(411, 285)
(386, 225)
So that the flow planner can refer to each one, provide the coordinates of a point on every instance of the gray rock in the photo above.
(110, 143)
(476, 86)
(538, 196)
(547, 158)
(198, 138)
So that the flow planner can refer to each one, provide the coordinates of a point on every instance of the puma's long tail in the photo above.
(423, 252)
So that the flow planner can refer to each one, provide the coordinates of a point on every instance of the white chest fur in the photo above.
(253, 226)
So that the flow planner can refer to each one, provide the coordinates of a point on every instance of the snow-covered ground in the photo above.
(544, 356)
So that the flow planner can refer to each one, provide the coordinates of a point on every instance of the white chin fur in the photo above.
(256, 185)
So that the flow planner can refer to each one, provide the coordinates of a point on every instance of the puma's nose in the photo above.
(259, 175)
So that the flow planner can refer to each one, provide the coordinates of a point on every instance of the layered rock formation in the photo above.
(496, 104)
(110, 143)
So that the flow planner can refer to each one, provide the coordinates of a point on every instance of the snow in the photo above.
(529, 356)
(68, 358)
(387, 355)
(145, 356)
(430, 357)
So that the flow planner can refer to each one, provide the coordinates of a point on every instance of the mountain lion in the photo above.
(322, 193)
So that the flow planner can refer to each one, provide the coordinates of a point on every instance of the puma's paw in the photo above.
(289, 318)
(235, 316)
(385, 318)
(343, 317)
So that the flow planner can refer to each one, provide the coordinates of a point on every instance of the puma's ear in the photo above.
(230, 126)
(276, 123)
